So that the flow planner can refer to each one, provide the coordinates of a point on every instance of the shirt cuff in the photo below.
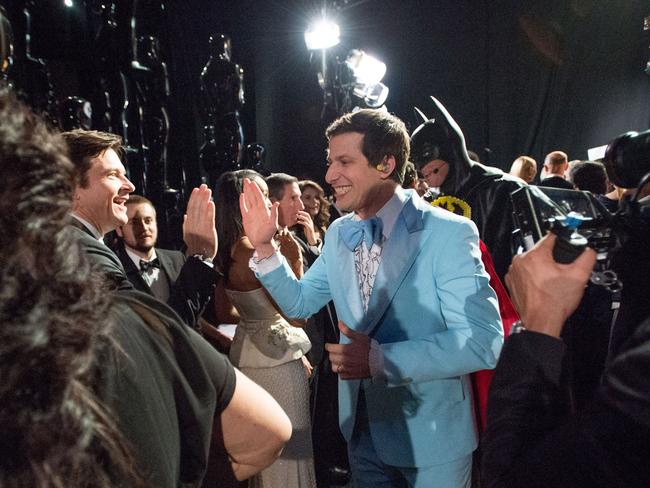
(376, 362)
(266, 265)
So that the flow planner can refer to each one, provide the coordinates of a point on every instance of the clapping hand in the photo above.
(199, 232)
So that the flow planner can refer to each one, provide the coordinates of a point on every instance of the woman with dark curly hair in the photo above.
(101, 389)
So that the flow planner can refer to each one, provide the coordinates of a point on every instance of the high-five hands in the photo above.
(259, 219)
(350, 361)
(199, 232)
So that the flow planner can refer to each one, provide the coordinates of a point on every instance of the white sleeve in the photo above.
(266, 265)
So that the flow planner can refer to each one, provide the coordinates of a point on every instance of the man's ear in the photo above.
(75, 199)
(387, 166)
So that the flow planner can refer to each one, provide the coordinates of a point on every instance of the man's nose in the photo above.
(127, 183)
(301, 205)
(330, 176)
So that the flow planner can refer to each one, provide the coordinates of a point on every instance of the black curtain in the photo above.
(521, 77)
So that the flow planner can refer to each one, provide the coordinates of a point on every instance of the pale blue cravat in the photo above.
(354, 231)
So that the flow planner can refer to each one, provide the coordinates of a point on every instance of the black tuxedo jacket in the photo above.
(309, 253)
(171, 263)
(556, 182)
(191, 291)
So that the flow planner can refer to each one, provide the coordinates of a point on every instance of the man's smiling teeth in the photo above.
(342, 190)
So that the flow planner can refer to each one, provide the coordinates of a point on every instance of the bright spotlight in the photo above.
(68, 3)
(367, 70)
(322, 35)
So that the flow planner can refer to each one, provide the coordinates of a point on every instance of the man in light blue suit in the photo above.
(417, 314)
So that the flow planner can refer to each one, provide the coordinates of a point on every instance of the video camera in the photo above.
(579, 219)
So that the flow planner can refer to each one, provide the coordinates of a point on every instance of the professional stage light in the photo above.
(367, 70)
(374, 96)
(68, 3)
(349, 83)
(322, 34)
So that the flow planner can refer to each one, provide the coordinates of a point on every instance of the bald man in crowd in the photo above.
(555, 165)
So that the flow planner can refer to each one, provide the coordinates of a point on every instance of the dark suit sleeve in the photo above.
(102, 259)
(309, 253)
(192, 290)
(532, 442)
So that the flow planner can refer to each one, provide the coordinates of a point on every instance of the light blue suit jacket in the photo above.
(435, 317)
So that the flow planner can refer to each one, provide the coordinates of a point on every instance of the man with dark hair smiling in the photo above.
(99, 206)
(416, 312)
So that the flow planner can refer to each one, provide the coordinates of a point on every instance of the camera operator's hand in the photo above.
(545, 292)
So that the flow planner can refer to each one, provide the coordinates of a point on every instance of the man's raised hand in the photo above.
(199, 232)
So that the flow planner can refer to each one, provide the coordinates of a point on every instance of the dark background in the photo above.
(519, 76)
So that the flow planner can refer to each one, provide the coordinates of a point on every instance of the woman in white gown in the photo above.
(267, 347)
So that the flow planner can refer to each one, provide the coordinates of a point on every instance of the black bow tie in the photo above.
(147, 265)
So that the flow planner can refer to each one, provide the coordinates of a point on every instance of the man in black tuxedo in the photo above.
(148, 268)
(99, 206)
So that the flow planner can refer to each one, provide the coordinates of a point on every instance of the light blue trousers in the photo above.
(368, 471)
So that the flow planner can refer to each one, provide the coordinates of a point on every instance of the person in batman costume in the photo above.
(479, 192)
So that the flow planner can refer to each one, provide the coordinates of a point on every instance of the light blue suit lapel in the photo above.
(397, 257)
